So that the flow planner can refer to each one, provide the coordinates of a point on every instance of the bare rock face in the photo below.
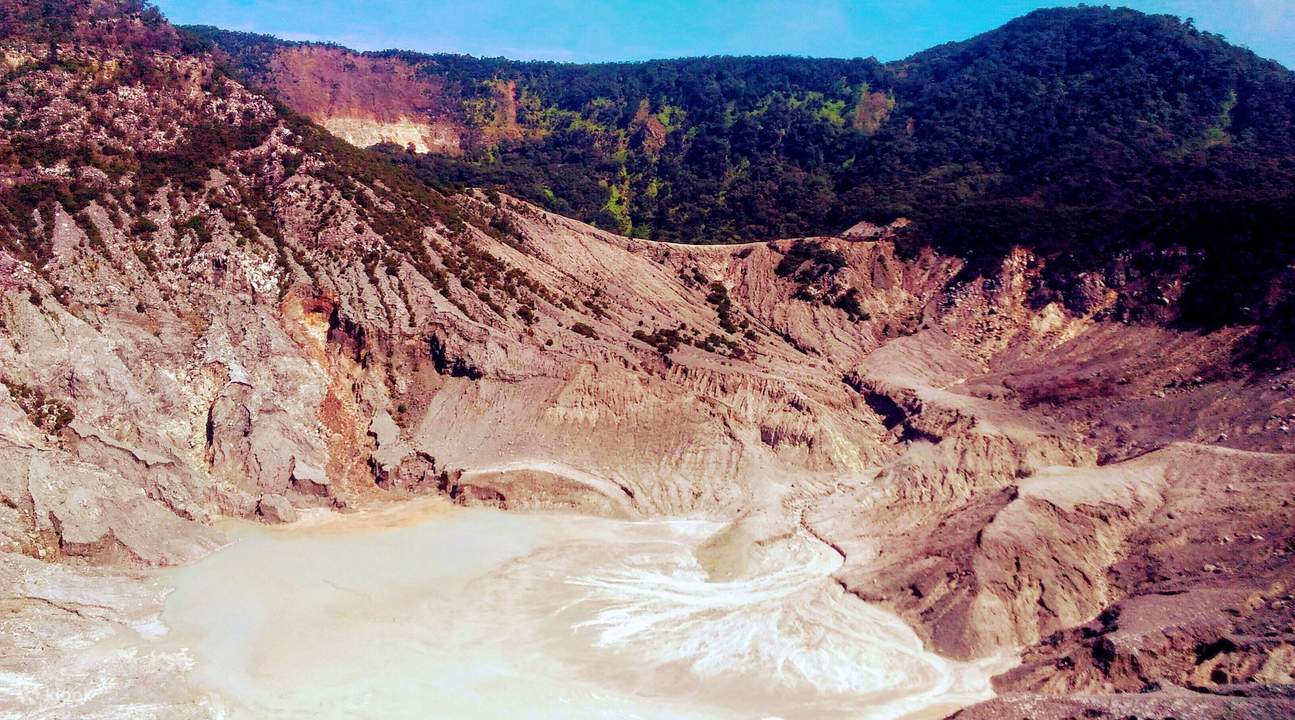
(1171, 702)
(72, 634)
(1202, 593)
(59, 506)
(366, 100)
(276, 509)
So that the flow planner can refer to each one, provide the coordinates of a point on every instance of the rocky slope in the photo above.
(214, 308)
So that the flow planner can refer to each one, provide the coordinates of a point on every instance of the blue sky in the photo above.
(592, 30)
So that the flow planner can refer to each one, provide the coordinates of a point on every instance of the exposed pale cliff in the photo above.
(367, 101)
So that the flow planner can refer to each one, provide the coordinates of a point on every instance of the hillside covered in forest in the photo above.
(1090, 135)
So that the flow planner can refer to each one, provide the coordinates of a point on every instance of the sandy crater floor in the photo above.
(431, 611)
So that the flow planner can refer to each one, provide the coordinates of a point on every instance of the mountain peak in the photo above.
(1103, 36)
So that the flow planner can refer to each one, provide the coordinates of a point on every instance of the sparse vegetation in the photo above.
(49, 414)
(809, 261)
(664, 341)
(667, 340)
(849, 302)
(718, 297)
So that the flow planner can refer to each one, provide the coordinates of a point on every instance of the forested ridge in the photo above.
(1108, 140)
